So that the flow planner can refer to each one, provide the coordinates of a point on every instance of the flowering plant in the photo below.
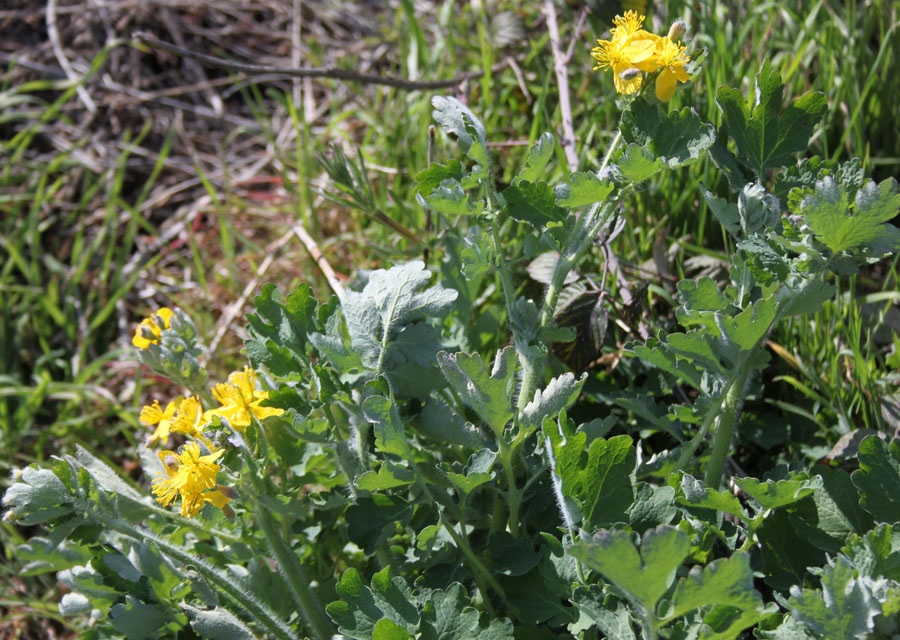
(392, 464)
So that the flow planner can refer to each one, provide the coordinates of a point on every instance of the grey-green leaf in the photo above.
(538, 157)
(457, 119)
(488, 393)
(644, 575)
(844, 609)
(637, 163)
(727, 581)
(582, 189)
(559, 394)
(217, 624)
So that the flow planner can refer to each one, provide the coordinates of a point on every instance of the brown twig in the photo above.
(562, 81)
(316, 254)
(310, 72)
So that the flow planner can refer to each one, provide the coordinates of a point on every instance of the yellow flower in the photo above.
(240, 400)
(153, 415)
(191, 476)
(672, 60)
(631, 51)
(189, 417)
(148, 331)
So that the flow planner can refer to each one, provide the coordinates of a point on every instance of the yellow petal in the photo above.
(665, 85)
(151, 414)
(166, 314)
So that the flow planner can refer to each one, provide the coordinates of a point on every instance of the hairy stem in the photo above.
(260, 611)
(731, 408)
(295, 575)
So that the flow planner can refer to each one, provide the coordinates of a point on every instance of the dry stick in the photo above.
(56, 43)
(311, 72)
(562, 81)
(316, 254)
(230, 314)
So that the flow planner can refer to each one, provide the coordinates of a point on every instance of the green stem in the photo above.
(288, 563)
(480, 572)
(609, 152)
(513, 494)
(289, 566)
(260, 611)
(731, 408)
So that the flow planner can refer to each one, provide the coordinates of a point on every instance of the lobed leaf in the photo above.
(533, 203)
(676, 137)
(582, 189)
(765, 137)
(842, 227)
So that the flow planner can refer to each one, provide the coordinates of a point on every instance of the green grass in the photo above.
(73, 284)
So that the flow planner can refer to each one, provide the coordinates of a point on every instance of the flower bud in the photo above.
(676, 31)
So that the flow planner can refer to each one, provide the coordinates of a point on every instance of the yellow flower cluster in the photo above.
(631, 52)
(190, 475)
(149, 331)
(240, 400)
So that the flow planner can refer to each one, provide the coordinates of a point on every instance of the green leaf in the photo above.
(431, 178)
(560, 393)
(217, 624)
(697, 494)
(137, 620)
(659, 355)
(388, 476)
(455, 118)
(478, 472)
(844, 608)
(279, 328)
(804, 298)
(637, 163)
(726, 623)
(757, 209)
(674, 137)
(726, 212)
(767, 138)
(841, 227)
(772, 495)
(832, 513)
(874, 554)
(878, 478)
(450, 198)
(785, 555)
(533, 203)
(727, 581)
(600, 478)
(449, 615)
(643, 575)
(389, 431)
(360, 608)
(371, 516)
(612, 618)
(744, 331)
(489, 394)
(652, 507)
(538, 157)
(582, 189)
(726, 162)
(701, 295)
(386, 629)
